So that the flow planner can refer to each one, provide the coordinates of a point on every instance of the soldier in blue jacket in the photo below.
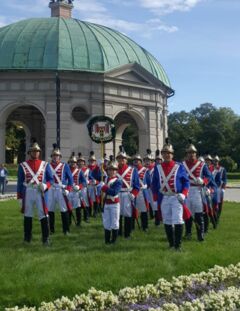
(170, 184)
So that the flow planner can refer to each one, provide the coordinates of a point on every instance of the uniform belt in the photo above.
(168, 193)
(56, 186)
(33, 186)
(126, 190)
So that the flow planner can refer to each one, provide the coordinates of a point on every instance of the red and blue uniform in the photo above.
(30, 174)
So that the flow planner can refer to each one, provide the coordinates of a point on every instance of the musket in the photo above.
(135, 214)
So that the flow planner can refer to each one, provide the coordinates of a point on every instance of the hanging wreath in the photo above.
(101, 129)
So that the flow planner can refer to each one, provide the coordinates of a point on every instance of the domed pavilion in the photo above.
(97, 70)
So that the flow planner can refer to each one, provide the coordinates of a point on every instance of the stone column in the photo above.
(2, 142)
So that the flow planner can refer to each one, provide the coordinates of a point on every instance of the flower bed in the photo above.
(217, 289)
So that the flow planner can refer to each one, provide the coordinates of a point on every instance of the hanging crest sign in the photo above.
(101, 129)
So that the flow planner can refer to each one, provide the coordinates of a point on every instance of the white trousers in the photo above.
(220, 195)
(172, 210)
(111, 216)
(56, 199)
(85, 196)
(140, 202)
(194, 200)
(125, 204)
(92, 192)
(74, 199)
(151, 201)
(33, 198)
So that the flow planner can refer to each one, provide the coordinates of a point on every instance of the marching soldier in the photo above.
(199, 177)
(34, 180)
(95, 178)
(129, 191)
(142, 199)
(58, 193)
(221, 182)
(85, 198)
(171, 181)
(212, 199)
(149, 164)
(111, 213)
(79, 182)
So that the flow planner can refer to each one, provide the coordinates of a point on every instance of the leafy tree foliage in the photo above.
(211, 130)
(14, 140)
(130, 140)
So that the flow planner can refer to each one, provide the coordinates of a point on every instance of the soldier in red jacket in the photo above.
(34, 180)
(129, 191)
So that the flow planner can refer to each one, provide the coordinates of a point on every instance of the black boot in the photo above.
(188, 228)
(65, 222)
(206, 222)
(169, 233)
(107, 236)
(86, 214)
(45, 231)
(133, 223)
(27, 229)
(200, 226)
(151, 215)
(51, 221)
(212, 219)
(95, 209)
(127, 227)
(78, 216)
(70, 217)
(157, 218)
(120, 226)
(114, 236)
(219, 211)
(144, 221)
(178, 230)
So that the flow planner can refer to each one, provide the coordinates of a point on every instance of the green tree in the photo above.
(13, 140)
(130, 140)
(210, 129)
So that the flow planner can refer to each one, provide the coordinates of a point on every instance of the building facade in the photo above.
(101, 72)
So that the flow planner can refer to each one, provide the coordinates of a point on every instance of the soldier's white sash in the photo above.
(121, 177)
(54, 172)
(143, 186)
(190, 171)
(35, 176)
(165, 179)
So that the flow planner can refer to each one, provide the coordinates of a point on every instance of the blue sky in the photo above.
(196, 41)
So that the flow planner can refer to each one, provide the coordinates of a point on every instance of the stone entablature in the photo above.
(144, 100)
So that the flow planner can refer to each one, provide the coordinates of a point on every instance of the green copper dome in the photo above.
(69, 44)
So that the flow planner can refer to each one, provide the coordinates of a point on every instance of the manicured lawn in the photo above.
(31, 273)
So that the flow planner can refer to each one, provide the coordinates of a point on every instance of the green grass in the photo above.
(31, 273)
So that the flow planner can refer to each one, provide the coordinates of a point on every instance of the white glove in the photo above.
(66, 192)
(20, 202)
(208, 192)
(181, 197)
(64, 186)
(132, 196)
(42, 187)
(199, 181)
(76, 188)
(223, 190)
(100, 185)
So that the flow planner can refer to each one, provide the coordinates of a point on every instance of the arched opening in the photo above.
(130, 132)
(23, 124)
